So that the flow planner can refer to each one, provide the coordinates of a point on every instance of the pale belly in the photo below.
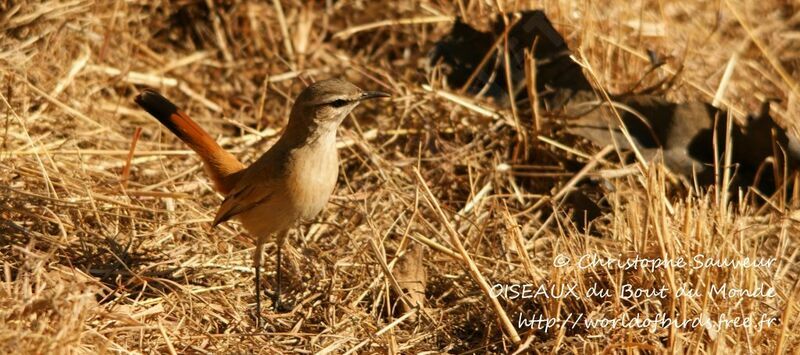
(305, 191)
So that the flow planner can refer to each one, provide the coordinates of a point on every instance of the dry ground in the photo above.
(102, 252)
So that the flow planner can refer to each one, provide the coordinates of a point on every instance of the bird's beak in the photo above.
(366, 95)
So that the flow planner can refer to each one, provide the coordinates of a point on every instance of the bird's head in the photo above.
(327, 102)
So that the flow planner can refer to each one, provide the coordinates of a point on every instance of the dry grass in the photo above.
(93, 262)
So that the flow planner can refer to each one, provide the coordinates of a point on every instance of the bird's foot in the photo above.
(259, 320)
(282, 306)
(279, 304)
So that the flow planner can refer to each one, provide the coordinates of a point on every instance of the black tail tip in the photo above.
(146, 96)
(157, 105)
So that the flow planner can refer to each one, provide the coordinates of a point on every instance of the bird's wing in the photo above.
(243, 199)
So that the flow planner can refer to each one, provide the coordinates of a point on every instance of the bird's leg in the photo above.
(276, 300)
(257, 265)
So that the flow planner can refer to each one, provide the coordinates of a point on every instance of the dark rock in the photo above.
(558, 78)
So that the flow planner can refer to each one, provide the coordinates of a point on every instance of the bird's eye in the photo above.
(339, 103)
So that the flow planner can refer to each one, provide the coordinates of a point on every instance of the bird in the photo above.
(291, 182)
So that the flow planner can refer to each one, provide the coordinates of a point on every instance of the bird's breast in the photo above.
(314, 175)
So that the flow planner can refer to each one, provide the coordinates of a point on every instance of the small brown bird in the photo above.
(292, 181)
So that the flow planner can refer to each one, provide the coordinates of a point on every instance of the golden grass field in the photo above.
(104, 251)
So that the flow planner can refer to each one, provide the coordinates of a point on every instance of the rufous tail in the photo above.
(222, 167)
